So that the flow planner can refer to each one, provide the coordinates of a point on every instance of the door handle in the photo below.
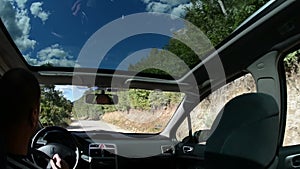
(293, 161)
(187, 149)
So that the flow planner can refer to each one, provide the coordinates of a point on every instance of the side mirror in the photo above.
(105, 99)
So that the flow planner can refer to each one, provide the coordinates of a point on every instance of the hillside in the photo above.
(140, 121)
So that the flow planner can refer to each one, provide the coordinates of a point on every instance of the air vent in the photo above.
(168, 149)
(102, 150)
(94, 145)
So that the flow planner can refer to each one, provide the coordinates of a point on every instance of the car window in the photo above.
(292, 72)
(203, 115)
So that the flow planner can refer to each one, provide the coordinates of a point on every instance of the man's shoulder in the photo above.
(19, 162)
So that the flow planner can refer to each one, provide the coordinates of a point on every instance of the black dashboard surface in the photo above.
(103, 149)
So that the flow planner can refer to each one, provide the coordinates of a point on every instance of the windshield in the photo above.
(137, 110)
(135, 35)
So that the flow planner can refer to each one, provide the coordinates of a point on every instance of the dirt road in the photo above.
(88, 125)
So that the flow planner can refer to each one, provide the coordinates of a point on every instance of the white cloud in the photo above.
(158, 7)
(37, 11)
(54, 51)
(174, 7)
(54, 55)
(15, 18)
(21, 3)
(30, 61)
(8, 16)
(180, 10)
(23, 21)
(174, 2)
(17, 23)
(25, 43)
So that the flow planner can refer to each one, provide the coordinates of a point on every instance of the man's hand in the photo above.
(58, 163)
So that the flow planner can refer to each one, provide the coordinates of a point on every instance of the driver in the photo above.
(20, 108)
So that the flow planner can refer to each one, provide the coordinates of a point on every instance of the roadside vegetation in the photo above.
(138, 110)
(55, 109)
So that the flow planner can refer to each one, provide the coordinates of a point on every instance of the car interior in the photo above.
(247, 133)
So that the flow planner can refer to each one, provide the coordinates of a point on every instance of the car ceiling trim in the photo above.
(127, 78)
(288, 44)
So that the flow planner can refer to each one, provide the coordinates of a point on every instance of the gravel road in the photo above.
(89, 125)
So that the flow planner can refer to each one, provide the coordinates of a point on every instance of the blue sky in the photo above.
(70, 92)
(55, 31)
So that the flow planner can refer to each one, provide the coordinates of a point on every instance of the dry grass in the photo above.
(141, 121)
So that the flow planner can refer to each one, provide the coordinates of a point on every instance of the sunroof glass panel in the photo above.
(165, 37)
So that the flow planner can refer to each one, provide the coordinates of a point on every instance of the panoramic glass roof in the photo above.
(166, 37)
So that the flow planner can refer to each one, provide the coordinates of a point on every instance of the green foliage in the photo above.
(149, 100)
(143, 100)
(161, 62)
(109, 108)
(291, 62)
(216, 19)
(124, 101)
(139, 99)
(158, 99)
(83, 110)
(55, 109)
(174, 98)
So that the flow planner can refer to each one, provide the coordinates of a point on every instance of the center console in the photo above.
(103, 155)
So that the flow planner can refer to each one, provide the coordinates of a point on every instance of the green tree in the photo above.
(124, 101)
(55, 109)
(217, 19)
(158, 99)
(291, 62)
(83, 110)
(139, 99)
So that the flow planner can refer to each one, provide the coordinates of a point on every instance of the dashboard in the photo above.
(111, 150)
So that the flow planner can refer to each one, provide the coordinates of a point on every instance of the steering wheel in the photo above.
(54, 140)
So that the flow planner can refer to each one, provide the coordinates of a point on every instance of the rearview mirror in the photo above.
(106, 99)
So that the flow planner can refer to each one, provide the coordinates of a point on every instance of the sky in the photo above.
(70, 92)
(56, 31)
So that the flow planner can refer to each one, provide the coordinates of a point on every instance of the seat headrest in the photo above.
(247, 129)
